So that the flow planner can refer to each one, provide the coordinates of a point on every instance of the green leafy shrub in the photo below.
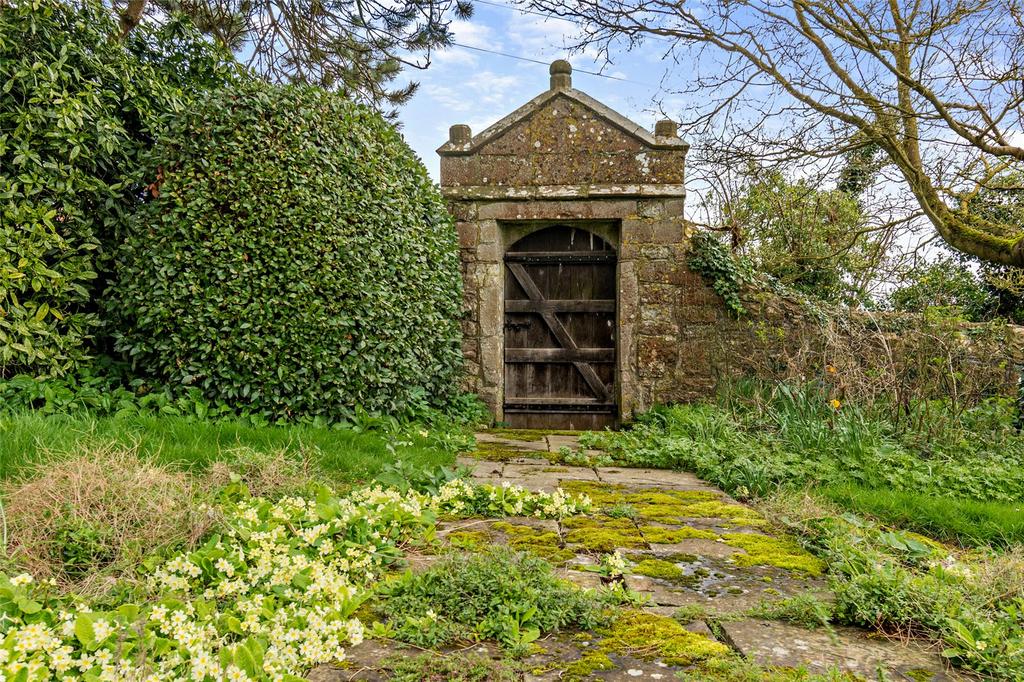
(297, 261)
(77, 109)
(504, 595)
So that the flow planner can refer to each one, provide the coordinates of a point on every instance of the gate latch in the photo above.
(515, 326)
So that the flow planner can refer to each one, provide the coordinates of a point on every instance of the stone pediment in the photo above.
(567, 143)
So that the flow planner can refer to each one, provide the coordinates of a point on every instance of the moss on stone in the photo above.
(658, 568)
(545, 544)
(764, 550)
(650, 637)
(587, 664)
(532, 435)
(467, 539)
(601, 494)
(499, 452)
(672, 510)
(722, 510)
(662, 496)
(602, 534)
(661, 535)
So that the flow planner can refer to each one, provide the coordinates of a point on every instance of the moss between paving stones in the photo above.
(651, 637)
(601, 494)
(532, 435)
(468, 539)
(665, 506)
(602, 534)
(543, 543)
(764, 550)
(499, 452)
(587, 664)
(675, 506)
(659, 568)
(647, 637)
(662, 535)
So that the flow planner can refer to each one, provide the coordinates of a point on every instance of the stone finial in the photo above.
(459, 134)
(666, 128)
(561, 74)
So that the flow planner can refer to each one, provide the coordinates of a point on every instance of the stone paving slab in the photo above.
(848, 649)
(513, 471)
(536, 445)
(653, 478)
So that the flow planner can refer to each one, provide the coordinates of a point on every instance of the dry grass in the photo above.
(85, 520)
(267, 474)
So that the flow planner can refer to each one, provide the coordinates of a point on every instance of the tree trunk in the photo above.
(131, 16)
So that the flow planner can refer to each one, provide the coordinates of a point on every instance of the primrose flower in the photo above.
(835, 404)
(23, 579)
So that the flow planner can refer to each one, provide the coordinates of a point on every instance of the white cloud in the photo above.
(481, 90)
(474, 34)
(548, 37)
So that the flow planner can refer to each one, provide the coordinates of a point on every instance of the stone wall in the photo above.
(865, 355)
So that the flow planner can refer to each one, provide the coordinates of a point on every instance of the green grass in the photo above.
(28, 438)
(966, 522)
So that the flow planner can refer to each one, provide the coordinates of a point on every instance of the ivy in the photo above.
(722, 271)
(294, 260)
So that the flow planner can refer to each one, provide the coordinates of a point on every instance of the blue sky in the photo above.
(475, 88)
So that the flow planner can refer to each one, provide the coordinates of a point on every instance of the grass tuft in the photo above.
(87, 521)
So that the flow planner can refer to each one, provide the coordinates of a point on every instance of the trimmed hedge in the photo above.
(77, 109)
(295, 260)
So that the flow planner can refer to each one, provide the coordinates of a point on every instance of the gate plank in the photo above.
(573, 355)
(559, 330)
(586, 305)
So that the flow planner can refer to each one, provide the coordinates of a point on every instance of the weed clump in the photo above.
(508, 596)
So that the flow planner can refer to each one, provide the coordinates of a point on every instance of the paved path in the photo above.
(694, 553)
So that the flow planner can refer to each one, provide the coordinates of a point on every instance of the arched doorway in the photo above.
(560, 330)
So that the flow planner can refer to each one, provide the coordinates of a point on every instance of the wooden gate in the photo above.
(560, 330)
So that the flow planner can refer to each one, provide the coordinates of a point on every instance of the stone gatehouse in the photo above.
(570, 221)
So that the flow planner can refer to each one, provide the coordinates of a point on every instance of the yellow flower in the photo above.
(835, 404)
(830, 369)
